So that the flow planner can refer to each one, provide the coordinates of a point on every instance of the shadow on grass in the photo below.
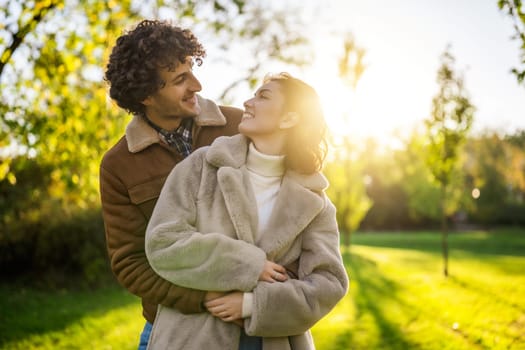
(478, 288)
(374, 290)
(28, 311)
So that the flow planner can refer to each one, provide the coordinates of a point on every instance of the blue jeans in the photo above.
(144, 336)
(246, 342)
(249, 343)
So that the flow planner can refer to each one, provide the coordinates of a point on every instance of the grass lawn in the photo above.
(398, 299)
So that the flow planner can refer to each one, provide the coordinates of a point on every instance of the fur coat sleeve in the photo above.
(292, 307)
(181, 253)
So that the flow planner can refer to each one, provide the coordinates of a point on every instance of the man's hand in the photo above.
(228, 307)
(213, 295)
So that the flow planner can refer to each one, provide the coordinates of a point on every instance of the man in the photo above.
(150, 75)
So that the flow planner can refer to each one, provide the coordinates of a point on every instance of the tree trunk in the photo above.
(444, 232)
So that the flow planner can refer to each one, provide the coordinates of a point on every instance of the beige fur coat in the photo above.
(201, 236)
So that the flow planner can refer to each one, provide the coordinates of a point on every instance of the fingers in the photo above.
(279, 277)
(224, 314)
(218, 311)
(273, 273)
(280, 269)
(213, 303)
(213, 295)
(279, 273)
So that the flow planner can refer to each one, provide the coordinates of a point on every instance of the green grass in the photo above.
(107, 318)
(398, 299)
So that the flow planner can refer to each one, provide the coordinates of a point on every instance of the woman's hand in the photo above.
(228, 307)
(273, 272)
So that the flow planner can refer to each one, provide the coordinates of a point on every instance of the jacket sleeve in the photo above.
(177, 251)
(125, 228)
(293, 307)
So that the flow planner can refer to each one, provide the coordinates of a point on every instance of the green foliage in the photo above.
(416, 180)
(450, 120)
(351, 64)
(347, 188)
(389, 202)
(57, 111)
(514, 9)
(56, 251)
(496, 168)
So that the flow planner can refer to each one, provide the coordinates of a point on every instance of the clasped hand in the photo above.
(228, 306)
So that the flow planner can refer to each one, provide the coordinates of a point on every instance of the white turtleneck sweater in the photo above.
(266, 172)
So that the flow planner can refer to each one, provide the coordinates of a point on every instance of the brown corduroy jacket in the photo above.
(132, 174)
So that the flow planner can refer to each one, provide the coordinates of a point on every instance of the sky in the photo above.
(403, 40)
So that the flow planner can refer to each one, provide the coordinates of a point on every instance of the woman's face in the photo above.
(263, 112)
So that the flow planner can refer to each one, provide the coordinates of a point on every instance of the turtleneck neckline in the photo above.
(264, 164)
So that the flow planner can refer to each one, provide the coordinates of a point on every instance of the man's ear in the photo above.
(289, 120)
(146, 101)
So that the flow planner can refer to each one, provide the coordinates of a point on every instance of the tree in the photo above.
(447, 128)
(514, 9)
(345, 170)
(347, 188)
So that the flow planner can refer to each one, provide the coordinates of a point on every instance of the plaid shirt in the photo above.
(180, 138)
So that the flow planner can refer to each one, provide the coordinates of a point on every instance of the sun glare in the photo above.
(358, 113)
(381, 107)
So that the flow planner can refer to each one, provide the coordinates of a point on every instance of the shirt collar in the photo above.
(140, 135)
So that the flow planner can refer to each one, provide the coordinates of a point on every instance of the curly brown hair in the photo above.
(132, 70)
(306, 144)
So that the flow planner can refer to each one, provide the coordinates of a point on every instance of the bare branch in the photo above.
(18, 37)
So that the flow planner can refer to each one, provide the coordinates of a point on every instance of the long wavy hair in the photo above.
(134, 63)
(306, 143)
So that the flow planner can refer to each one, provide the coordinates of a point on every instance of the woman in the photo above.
(252, 204)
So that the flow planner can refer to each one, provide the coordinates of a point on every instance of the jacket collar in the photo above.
(140, 135)
(299, 200)
(232, 152)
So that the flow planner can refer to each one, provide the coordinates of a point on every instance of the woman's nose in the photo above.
(247, 103)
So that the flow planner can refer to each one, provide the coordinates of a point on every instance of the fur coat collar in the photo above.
(229, 154)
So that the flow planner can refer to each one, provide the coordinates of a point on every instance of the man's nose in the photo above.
(195, 85)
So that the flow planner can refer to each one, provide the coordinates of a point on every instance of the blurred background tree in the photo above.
(345, 169)
(447, 128)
